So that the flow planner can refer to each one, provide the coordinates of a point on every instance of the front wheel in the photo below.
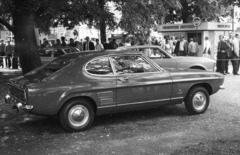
(197, 100)
(77, 115)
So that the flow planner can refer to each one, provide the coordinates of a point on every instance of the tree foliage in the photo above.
(22, 16)
(138, 16)
(208, 10)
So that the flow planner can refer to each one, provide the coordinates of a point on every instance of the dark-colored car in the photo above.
(168, 61)
(77, 87)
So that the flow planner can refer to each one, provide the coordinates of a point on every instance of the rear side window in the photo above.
(99, 66)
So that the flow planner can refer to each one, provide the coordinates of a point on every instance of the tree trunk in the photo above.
(25, 40)
(102, 23)
(185, 11)
(103, 31)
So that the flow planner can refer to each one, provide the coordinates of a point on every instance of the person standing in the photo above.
(207, 48)
(98, 46)
(181, 48)
(71, 43)
(114, 44)
(230, 52)
(222, 50)
(106, 45)
(2, 52)
(235, 55)
(58, 43)
(9, 49)
(63, 41)
(192, 48)
(168, 46)
(238, 64)
(88, 45)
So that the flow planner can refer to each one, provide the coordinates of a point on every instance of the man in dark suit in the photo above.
(181, 48)
(88, 45)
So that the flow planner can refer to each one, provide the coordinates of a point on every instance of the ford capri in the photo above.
(79, 86)
(168, 61)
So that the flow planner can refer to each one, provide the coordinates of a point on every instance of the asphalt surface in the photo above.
(167, 130)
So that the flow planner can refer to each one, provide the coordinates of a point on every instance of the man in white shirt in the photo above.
(207, 48)
(192, 48)
(98, 46)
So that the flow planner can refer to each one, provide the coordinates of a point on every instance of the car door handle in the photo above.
(122, 79)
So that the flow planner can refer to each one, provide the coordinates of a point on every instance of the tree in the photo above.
(208, 10)
(26, 15)
(139, 16)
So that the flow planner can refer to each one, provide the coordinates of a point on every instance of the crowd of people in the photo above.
(82, 45)
(174, 45)
(228, 48)
(8, 53)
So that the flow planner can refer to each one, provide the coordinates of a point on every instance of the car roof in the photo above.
(100, 53)
(139, 46)
(58, 47)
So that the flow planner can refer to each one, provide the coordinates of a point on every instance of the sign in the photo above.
(196, 21)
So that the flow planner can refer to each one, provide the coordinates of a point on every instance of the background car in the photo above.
(50, 53)
(168, 61)
(77, 87)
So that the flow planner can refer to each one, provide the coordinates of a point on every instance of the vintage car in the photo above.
(50, 53)
(168, 61)
(77, 87)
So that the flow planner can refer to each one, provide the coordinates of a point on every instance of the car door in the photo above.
(103, 80)
(140, 85)
(161, 58)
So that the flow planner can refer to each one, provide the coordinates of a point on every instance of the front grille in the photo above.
(17, 93)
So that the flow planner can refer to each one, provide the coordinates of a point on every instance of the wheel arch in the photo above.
(198, 67)
(207, 86)
(86, 98)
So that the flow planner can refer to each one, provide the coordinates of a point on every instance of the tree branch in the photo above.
(6, 24)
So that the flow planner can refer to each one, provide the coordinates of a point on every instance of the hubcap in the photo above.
(78, 115)
(199, 101)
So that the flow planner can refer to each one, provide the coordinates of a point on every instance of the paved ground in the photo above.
(168, 130)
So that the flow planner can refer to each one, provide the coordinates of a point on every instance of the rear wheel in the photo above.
(197, 100)
(77, 115)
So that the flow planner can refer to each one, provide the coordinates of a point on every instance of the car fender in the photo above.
(76, 95)
(197, 66)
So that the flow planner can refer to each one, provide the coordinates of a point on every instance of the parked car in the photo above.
(77, 87)
(168, 61)
(50, 53)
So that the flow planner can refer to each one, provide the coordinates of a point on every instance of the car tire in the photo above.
(77, 115)
(197, 100)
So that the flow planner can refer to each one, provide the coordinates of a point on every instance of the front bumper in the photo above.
(16, 104)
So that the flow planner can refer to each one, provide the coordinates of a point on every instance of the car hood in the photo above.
(193, 59)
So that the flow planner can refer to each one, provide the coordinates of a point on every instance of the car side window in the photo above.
(58, 52)
(99, 66)
(156, 53)
(131, 64)
(45, 53)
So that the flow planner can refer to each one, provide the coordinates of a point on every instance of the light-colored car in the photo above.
(77, 87)
(50, 53)
(168, 61)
